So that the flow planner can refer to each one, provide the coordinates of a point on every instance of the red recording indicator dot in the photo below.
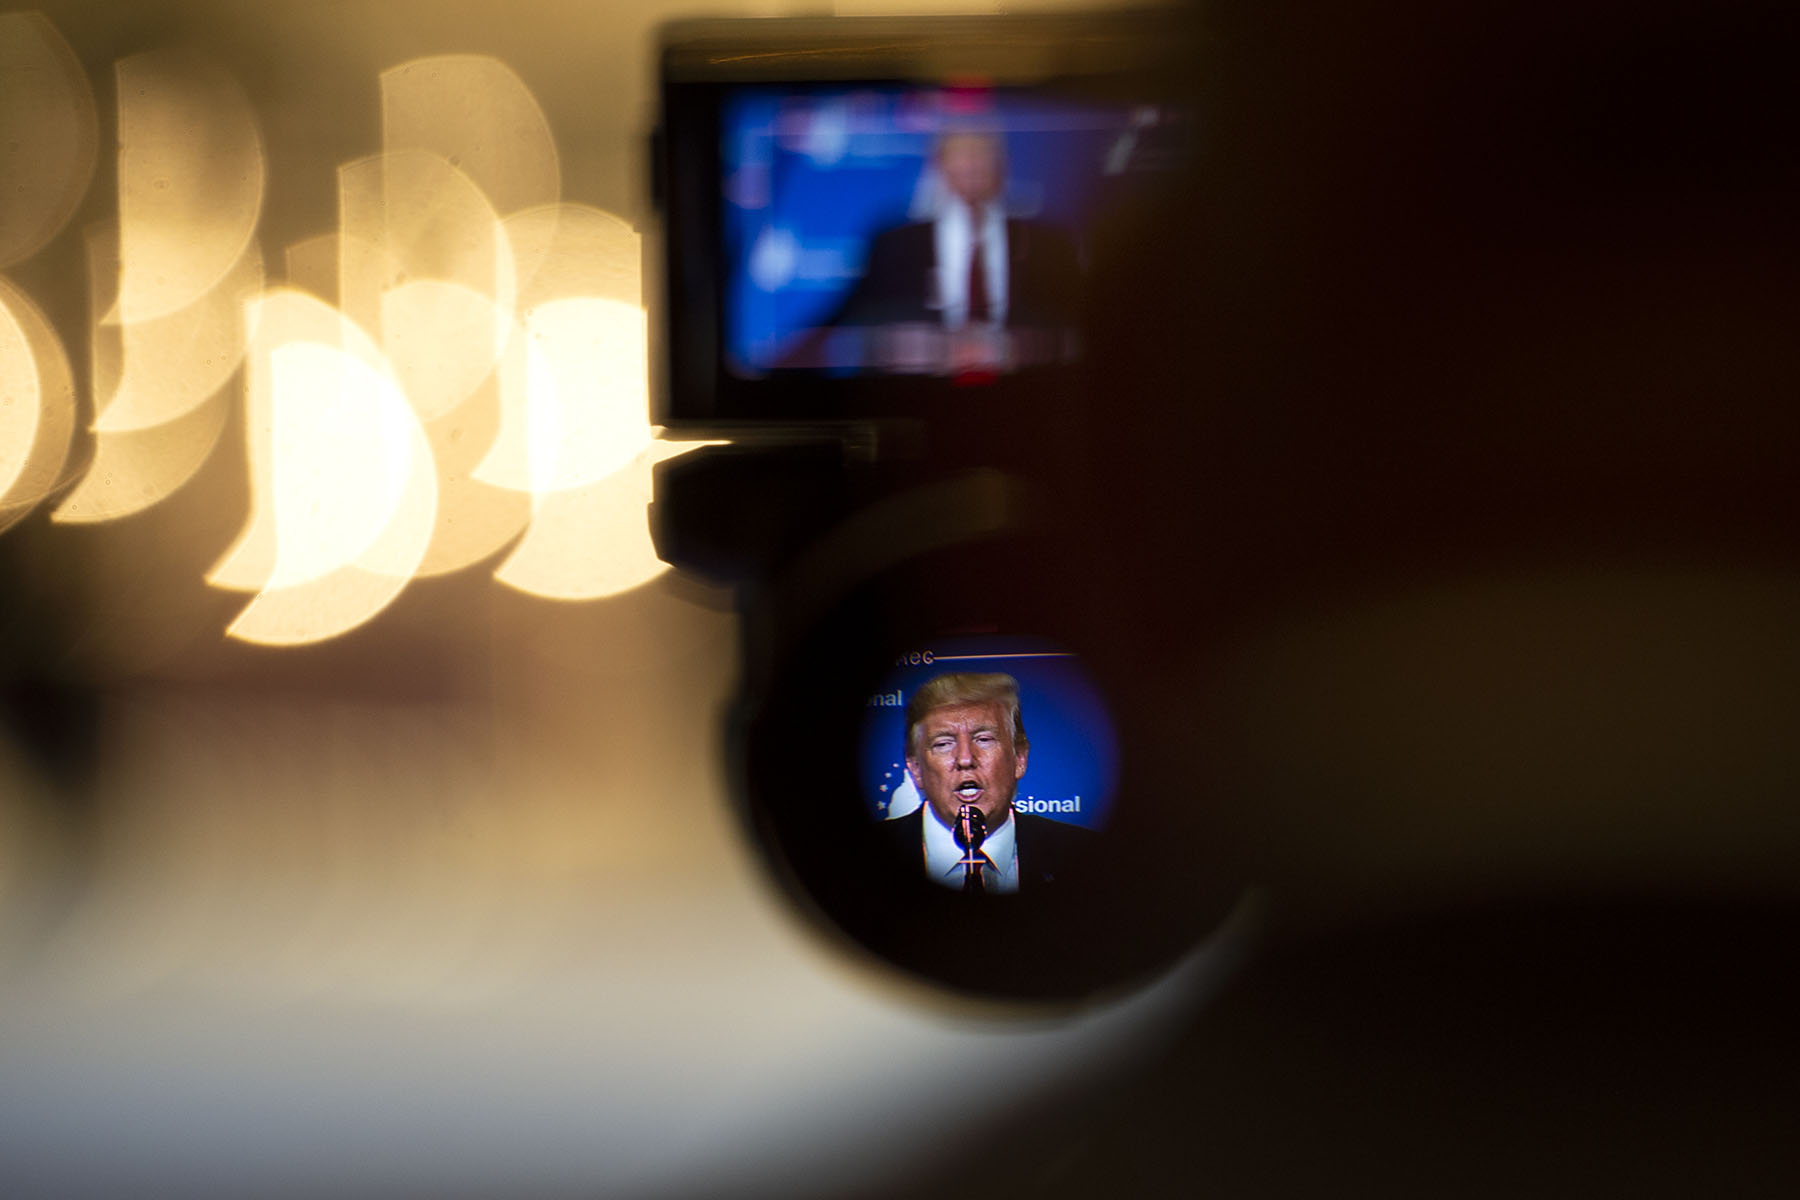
(968, 96)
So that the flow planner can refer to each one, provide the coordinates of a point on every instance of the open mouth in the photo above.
(968, 791)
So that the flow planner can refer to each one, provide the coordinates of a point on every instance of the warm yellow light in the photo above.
(343, 484)
(37, 405)
(575, 395)
(48, 134)
(956, 8)
(171, 364)
(164, 404)
(443, 340)
(191, 176)
(280, 316)
(589, 390)
(423, 260)
(133, 470)
(476, 114)
(475, 517)
(574, 391)
(566, 251)
(591, 541)
(344, 451)
(21, 400)
(454, 381)
(411, 216)
(312, 266)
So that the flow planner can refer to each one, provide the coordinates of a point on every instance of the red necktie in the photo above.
(978, 288)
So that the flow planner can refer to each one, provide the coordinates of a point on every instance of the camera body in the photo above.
(877, 238)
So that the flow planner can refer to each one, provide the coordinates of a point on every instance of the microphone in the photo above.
(971, 829)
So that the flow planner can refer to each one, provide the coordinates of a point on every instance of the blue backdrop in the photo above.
(1073, 764)
(810, 176)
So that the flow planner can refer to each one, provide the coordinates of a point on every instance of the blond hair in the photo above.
(965, 687)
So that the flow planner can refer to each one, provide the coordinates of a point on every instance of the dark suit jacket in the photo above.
(899, 282)
(1051, 853)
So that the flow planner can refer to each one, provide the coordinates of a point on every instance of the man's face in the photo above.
(965, 756)
(970, 165)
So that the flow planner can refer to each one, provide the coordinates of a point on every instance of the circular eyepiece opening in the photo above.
(961, 807)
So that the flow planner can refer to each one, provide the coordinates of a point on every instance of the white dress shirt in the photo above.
(954, 232)
(943, 857)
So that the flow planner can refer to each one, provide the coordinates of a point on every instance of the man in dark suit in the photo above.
(971, 271)
(966, 751)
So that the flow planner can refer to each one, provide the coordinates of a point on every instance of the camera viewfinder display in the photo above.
(1073, 755)
(906, 230)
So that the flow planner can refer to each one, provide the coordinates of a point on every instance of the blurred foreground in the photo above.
(426, 879)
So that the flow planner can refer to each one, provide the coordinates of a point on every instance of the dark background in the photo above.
(1449, 423)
